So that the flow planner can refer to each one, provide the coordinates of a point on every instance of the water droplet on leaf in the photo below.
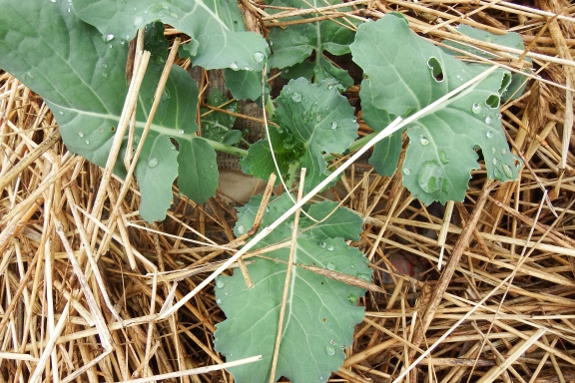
(259, 57)
(219, 301)
(330, 248)
(507, 171)
(331, 266)
(87, 142)
(181, 131)
(153, 162)
(492, 150)
(296, 97)
(80, 134)
(476, 108)
(333, 125)
(219, 283)
(234, 65)
(431, 177)
(109, 38)
(488, 120)
(330, 350)
(406, 171)
(443, 157)
(423, 141)
(365, 277)
(494, 161)
(503, 151)
(323, 245)
(241, 229)
(489, 134)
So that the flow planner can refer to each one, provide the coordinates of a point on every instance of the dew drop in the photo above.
(87, 142)
(110, 46)
(80, 134)
(330, 350)
(247, 68)
(181, 131)
(61, 113)
(234, 65)
(241, 229)
(53, 1)
(492, 150)
(330, 248)
(489, 134)
(406, 171)
(494, 161)
(503, 151)
(104, 74)
(296, 97)
(321, 378)
(352, 266)
(219, 301)
(219, 283)
(488, 120)
(331, 266)
(476, 108)
(499, 116)
(109, 38)
(259, 57)
(507, 171)
(226, 293)
(333, 125)
(323, 245)
(330, 86)
(431, 177)
(153, 162)
(351, 298)
(122, 42)
(104, 65)
(68, 10)
(423, 141)
(172, 148)
(443, 157)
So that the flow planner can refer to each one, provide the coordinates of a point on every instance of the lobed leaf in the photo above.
(405, 74)
(314, 119)
(321, 313)
(81, 78)
(219, 39)
(294, 44)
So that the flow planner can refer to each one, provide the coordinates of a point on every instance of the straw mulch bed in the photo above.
(500, 307)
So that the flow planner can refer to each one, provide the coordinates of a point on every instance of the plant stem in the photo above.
(226, 148)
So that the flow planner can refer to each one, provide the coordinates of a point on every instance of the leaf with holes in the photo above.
(321, 312)
(511, 40)
(315, 119)
(219, 39)
(296, 43)
(405, 73)
(81, 78)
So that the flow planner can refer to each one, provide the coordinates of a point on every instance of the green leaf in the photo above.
(319, 119)
(217, 126)
(511, 40)
(441, 153)
(81, 78)
(296, 43)
(198, 175)
(386, 152)
(321, 313)
(244, 85)
(219, 39)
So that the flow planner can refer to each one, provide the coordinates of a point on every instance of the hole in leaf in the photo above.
(113, 128)
(492, 101)
(505, 81)
(436, 70)
(324, 320)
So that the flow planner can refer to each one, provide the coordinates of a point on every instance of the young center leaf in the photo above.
(296, 43)
(321, 312)
(219, 39)
(81, 77)
(406, 73)
(314, 119)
